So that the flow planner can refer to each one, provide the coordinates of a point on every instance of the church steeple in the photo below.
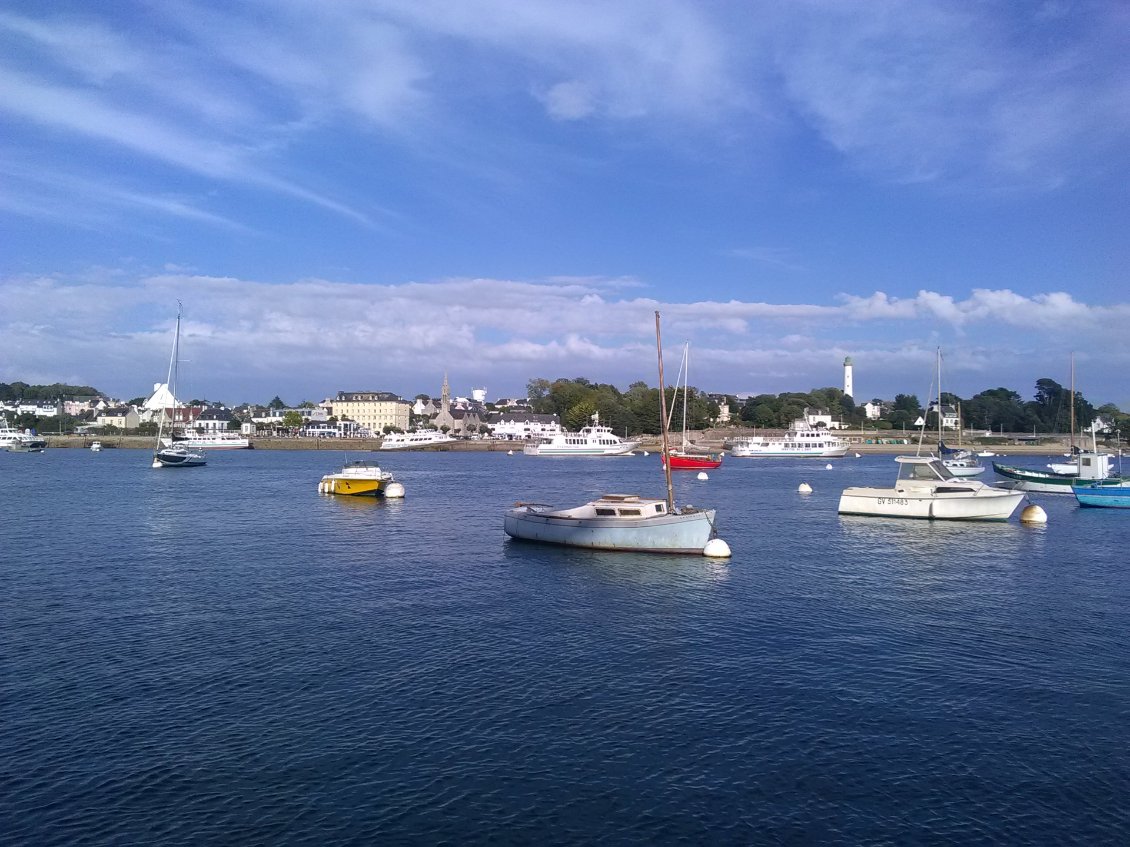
(445, 394)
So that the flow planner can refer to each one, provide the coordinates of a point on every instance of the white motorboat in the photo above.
(960, 462)
(365, 479)
(925, 488)
(174, 455)
(802, 441)
(623, 521)
(417, 439)
(96, 447)
(595, 440)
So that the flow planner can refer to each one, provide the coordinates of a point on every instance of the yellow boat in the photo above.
(364, 479)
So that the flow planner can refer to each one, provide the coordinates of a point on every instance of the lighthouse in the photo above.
(848, 388)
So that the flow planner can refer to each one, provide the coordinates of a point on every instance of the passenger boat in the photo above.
(595, 440)
(687, 457)
(802, 441)
(925, 488)
(17, 441)
(418, 439)
(174, 455)
(1103, 496)
(623, 522)
(211, 441)
(364, 479)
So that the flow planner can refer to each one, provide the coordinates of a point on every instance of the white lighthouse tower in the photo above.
(849, 389)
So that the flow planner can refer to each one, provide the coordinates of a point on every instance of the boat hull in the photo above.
(741, 452)
(988, 504)
(622, 449)
(179, 459)
(355, 487)
(686, 532)
(1103, 497)
(690, 462)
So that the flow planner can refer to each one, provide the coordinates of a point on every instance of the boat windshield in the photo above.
(931, 471)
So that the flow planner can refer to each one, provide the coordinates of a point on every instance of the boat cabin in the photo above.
(628, 506)
(922, 469)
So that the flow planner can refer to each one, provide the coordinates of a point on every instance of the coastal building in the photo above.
(872, 410)
(849, 387)
(121, 417)
(373, 410)
(948, 412)
(821, 418)
(161, 398)
(215, 419)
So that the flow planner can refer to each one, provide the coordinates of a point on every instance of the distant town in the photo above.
(550, 407)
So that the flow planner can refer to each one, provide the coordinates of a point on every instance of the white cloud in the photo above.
(243, 339)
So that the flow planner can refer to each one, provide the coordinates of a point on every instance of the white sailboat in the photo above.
(176, 455)
(624, 522)
(960, 463)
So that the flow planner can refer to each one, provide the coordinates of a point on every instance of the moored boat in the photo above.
(1103, 496)
(417, 439)
(1093, 469)
(687, 457)
(802, 441)
(365, 479)
(211, 441)
(926, 489)
(595, 440)
(623, 522)
(166, 455)
(96, 447)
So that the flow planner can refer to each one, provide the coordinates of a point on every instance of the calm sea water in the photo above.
(224, 656)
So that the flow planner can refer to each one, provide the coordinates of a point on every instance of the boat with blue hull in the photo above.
(1103, 496)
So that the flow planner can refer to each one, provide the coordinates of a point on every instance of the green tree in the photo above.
(276, 403)
(292, 420)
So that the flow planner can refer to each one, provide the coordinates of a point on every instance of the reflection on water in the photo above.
(641, 569)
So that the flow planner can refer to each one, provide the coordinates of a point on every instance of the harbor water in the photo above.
(223, 655)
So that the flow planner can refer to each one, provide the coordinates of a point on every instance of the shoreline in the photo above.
(1053, 445)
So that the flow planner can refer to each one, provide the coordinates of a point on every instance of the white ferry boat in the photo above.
(802, 441)
(210, 441)
(418, 439)
(595, 440)
(12, 439)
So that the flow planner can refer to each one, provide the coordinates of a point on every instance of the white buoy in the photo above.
(394, 490)
(646, 453)
(857, 456)
(509, 452)
(828, 466)
(1033, 514)
(804, 488)
(716, 548)
(703, 475)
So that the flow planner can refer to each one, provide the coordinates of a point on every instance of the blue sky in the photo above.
(362, 195)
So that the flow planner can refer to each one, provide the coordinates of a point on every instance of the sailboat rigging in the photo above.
(624, 522)
(174, 455)
(959, 462)
(687, 458)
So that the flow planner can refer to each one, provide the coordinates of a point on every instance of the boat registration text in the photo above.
(893, 501)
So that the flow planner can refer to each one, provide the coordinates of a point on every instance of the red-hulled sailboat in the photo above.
(687, 458)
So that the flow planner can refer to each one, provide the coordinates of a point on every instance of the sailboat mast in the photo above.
(663, 420)
(1071, 433)
(939, 402)
(686, 387)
